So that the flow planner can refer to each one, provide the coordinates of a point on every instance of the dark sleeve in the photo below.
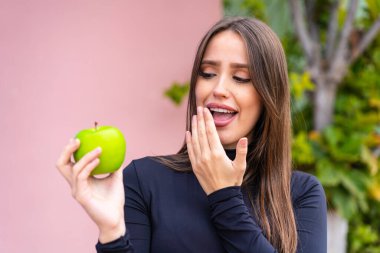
(240, 233)
(121, 245)
(311, 215)
(136, 215)
(234, 224)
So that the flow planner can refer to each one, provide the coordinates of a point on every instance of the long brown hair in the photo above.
(269, 155)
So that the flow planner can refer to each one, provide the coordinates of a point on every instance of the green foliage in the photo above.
(302, 150)
(345, 156)
(255, 8)
(373, 8)
(177, 92)
(342, 163)
(265, 10)
(369, 11)
(244, 8)
(363, 235)
(300, 84)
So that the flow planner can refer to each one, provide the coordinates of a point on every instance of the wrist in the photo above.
(219, 187)
(111, 234)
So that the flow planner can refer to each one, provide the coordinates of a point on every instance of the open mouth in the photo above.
(222, 116)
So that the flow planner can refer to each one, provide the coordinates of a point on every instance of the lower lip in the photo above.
(223, 123)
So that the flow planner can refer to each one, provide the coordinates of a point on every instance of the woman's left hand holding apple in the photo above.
(102, 199)
(212, 167)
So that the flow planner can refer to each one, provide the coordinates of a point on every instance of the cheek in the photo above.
(252, 107)
(200, 93)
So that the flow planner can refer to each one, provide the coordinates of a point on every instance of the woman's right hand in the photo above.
(102, 199)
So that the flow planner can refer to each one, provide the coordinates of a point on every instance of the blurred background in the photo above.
(66, 64)
(333, 52)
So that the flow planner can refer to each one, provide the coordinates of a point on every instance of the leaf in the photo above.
(344, 204)
(374, 188)
(300, 84)
(327, 173)
(373, 7)
(348, 147)
(363, 235)
(357, 183)
(302, 151)
(341, 14)
(370, 159)
(374, 102)
(332, 136)
(177, 92)
(255, 8)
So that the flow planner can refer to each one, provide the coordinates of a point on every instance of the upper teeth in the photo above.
(221, 110)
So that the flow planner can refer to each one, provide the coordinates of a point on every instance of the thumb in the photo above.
(117, 175)
(241, 153)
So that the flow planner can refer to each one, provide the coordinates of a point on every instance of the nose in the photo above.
(221, 87)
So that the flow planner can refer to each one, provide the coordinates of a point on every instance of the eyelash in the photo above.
(236, 78)
(241, 80)
(206, 75)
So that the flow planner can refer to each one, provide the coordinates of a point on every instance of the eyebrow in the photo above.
(234, 65)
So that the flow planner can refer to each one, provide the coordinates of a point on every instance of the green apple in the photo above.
(113, 145)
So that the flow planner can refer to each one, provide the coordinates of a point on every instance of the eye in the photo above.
(241, 80)
(206, 75)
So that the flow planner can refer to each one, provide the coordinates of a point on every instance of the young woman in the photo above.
(230, 188)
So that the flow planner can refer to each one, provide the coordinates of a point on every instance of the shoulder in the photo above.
(142, 177)
(152, 180)
(302, 179)
(149, 165)
(306, 189)
(150, 170)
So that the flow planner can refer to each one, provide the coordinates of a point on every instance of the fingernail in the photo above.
(77, 141)
(98, 149)
(199, 109)
(244, 142)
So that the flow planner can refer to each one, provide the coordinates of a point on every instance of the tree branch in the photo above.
(339, 64)
(332, 30)
(366, 40)
(310, 17)
(300, 27)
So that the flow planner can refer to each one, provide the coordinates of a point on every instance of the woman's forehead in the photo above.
(226, 46)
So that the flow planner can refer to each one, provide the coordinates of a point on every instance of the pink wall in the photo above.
(64, 64)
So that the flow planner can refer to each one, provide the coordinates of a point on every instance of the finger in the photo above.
(194, 137)
(212, 134)
(190, 150)
(202, 136)
(116, 179)
(241, 154)
(64, 164)
(86, 159)
(80, 181)
(85, 172)
(66, 154)
(118, 174)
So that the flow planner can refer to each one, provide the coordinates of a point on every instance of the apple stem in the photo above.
(96, 125)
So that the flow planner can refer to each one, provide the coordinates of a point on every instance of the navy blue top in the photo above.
(168, 211)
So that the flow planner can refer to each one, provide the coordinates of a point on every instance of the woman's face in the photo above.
(225, 87)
